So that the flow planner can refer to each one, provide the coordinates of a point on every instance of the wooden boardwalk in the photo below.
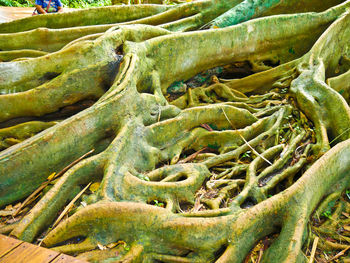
(16, 251)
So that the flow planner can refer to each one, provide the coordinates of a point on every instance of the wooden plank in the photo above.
(28, 253)
(16, 251)
(7, 244)
(67, 259)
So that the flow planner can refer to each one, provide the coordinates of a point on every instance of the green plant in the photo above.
(157, 203)
(14, 3)
(347, 192)
(247, 154)
(327, 214)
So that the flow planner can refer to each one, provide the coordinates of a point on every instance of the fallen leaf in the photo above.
(51, 176)
(94, 187)
(101, 247)
(346, 228)
(7, 212)
(112, 245)
(346, 214)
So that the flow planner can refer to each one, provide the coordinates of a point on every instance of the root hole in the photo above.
(271, 63)
(220, 251)
(249, 202)
(49, 76)
(74, 240)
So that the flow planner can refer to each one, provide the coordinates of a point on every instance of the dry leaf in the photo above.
(346, 214)
(17, 205)
(94, 187)
(7, 212)
(112, 245)
(121, 242)
(51, 176)
(101, 247)
(346, 228)
(9, 207)
(12, 220)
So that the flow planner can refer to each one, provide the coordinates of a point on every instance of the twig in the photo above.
(261, 252)
(206, 126)
(65, 169)
(192, 156)
(159, 113)
(338, 255)
(69, 206)
(245, 141)
(290, 126)
(345, 214)
(33, 196)
(339, 135)
(313, 250)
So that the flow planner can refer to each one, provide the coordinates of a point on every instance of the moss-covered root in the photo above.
(159, 143)
(102, 51)
(57, 34)
(91, 16)
(341, 84)
(324, 106)
(97, 126)
(55, 39)
(6, 56)
(17, 180)
(123, 220)
(249, 9)
(18, 133)
(125, 165)
(180, 235)
(65, 189)
(306, 78)
(90, 83)
(134, 152)
(332, 168)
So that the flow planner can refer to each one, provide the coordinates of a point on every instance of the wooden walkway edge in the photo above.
(16, 251)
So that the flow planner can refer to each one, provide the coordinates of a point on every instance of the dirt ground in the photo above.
(11, 13)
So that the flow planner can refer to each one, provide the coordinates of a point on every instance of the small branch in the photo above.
(313, 250)
(65, 169)
(261, 252)
(65, 211)
(133, 255)
(192, 156)
(245, 141)
(348, 129)
(206, 126)
(33, 196)
(338, 255)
